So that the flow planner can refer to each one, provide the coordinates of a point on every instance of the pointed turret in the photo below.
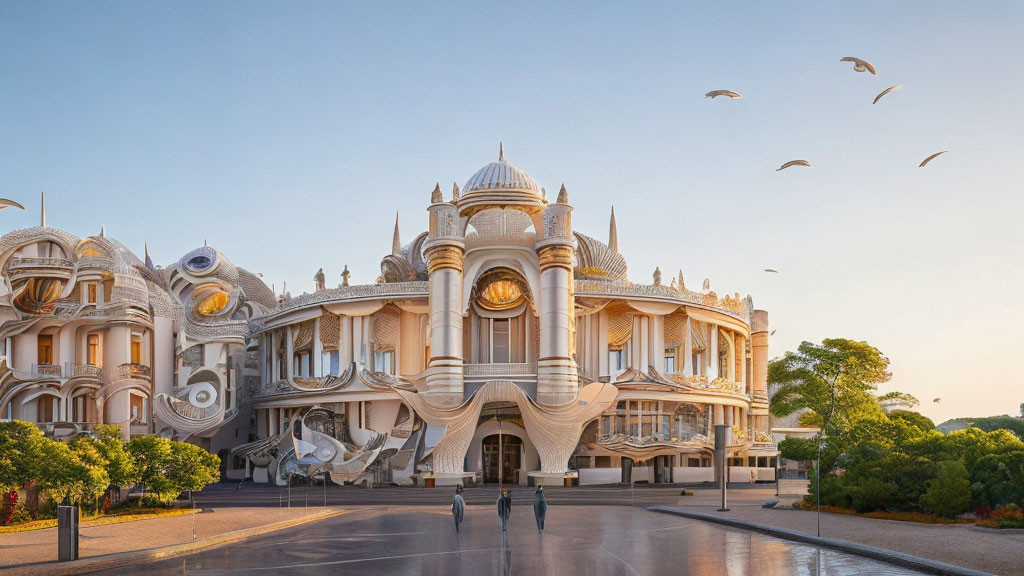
(455, 192)
(396, 240)
(42, 211)
(435, 196)
(149, 261)
(613, 233)
(563, 196)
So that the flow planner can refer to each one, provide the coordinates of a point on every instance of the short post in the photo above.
(67, 533)
(722, 434)
(193, 520)
(289, 491)
(305, 494)
(325, 489)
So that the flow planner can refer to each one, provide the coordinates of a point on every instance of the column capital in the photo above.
(555, 255)
(441, 256)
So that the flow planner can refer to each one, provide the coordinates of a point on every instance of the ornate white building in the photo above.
(500, 344)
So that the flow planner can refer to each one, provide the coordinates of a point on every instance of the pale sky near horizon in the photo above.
(288, 135)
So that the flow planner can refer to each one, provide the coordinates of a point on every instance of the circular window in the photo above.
(199, 261)
(501, 295)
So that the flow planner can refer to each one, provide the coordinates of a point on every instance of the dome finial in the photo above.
(396, 240)
(501, 151)
(563, 195)
(42, 208)
(613, 233)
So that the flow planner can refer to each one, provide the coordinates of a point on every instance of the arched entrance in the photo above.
(504, 459)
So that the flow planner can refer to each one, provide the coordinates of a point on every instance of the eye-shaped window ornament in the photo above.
(210, 299)
(200, 261)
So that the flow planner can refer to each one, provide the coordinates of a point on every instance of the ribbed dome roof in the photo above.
(500, 175)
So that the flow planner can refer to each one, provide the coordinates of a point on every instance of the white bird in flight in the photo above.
(772, 270)
(858, 64)
(930, 158)
(793, 163)
(732, 95)
(4, 203)
(884, 92)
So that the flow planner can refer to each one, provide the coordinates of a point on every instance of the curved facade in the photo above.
(500, 344)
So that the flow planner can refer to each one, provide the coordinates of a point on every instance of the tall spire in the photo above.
(103, 230)
(563, 196)
(42, 202)
(455, 191)
(435, 195)
(613, 233)
(396, 240)
(149, 261)
(501, 151)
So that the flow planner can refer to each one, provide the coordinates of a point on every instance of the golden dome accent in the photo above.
(214, 303)
(501, 295)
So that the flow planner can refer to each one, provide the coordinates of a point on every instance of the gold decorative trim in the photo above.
(555, 256)
(441, 257)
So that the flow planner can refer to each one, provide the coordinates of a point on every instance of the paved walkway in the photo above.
(577, 540)
(998, 552)
(41, 545)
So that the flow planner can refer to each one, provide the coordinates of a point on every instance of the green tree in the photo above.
(908, 400)
(21, 461)
(120, 464)
(914, 418)
(794, 448)
(151, 455)
(949, 493)
(190, 468)
(65, 476)
(834, 378)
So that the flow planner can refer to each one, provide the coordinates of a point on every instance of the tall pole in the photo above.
(501, 455)
(817, 489)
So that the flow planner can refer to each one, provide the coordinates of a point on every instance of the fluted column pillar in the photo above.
(444, 381)
(557, 379)
(759, 351)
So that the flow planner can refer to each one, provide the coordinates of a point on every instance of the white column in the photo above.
(289, 351)
(445, 287)
(687, 349)
(275, 370)
(602, 343)
(318, 350)
(643, 337)
(345, 344)
(556, 371)
(713, 353)
(657, 339)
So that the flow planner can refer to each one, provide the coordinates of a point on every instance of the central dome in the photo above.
(500, 175)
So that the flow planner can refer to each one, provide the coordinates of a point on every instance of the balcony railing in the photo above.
(47, 370)
(506, 369)
(131, 370)
(40, 263)
(73, 370)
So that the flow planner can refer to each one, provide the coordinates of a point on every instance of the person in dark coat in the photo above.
(540, 507)
(458, 507)
(504, 508)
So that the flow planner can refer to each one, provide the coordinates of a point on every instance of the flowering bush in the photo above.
(1008, 516)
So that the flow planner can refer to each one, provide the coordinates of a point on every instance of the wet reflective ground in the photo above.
(585, 540)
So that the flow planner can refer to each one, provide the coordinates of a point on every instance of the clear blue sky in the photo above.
(288, 135)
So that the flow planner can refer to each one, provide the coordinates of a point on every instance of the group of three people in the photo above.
(540, 507)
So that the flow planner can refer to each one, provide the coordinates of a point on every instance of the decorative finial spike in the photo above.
(435, 196)
(563, 195)
(42, 212)
(103, 230)
(149, 261)
(501, 151)
(681, 285)
(455, 192)
(657, 275)
(396, 240)
(344, 276)
(613, 233)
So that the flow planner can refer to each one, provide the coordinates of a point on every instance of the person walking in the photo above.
(504, 508)
(540, 507)
(458, 507)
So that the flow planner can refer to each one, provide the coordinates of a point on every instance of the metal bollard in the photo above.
(67, 533)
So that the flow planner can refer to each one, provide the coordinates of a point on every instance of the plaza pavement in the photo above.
(229, 509)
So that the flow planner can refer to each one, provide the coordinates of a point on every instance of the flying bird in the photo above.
(937, 400)
(773, 271)
(858, 64)
(930, 158)
(732, 95)
(4, 203)
(793, 163)
(772, 333)
(884, 92)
